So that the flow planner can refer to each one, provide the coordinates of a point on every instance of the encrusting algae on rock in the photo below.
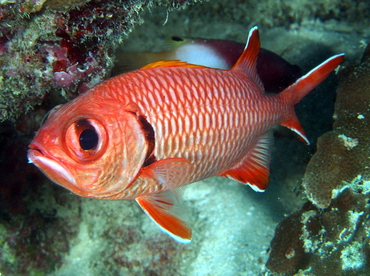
(316, 242)
(330, 235)
(51, 48)
(343, 154)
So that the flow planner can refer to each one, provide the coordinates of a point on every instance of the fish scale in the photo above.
(142, 134)
(207, 125)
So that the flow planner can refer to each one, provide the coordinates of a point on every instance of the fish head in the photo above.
(93, 149)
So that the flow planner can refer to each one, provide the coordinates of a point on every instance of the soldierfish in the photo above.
(275, 72)
(142, 134)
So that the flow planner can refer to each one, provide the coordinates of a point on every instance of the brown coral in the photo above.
(343, 154)
(330, 242)
(334, 240)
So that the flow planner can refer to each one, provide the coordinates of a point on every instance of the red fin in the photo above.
(170, 172)
(294, 93)
(247, 62)
(292, 123)
(172, 63)
(254, 169)
(161, 208)
(305, 84)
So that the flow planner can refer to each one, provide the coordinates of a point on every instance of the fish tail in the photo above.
(298, 90)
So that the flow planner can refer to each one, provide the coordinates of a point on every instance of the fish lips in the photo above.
(52, 168)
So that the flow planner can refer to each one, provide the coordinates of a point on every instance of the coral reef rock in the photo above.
(343, 154)
(316, 242)
(330, 234)
(60, 47)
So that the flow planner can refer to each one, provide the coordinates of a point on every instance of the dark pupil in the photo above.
(88, 139)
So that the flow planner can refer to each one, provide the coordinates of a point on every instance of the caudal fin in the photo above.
(298, 90)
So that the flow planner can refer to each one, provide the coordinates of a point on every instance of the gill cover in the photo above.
(135, 147)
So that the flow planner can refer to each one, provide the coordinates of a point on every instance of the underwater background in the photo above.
(312, 220)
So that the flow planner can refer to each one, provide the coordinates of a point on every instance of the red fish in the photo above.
(142, 134)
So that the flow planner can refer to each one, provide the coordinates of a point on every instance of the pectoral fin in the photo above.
(170, 172)
(163, 209)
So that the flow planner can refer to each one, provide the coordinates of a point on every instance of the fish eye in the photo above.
(88, 139)
(177, 38)
(85, 139)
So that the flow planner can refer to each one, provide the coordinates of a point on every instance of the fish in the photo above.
(274, 71)
(143, 134)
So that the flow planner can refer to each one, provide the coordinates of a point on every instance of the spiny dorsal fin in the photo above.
(172, 63)
(247, 62)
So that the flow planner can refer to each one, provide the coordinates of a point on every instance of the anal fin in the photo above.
(163, 209)
(254, 169)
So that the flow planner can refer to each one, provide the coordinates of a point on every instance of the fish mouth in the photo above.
(52, 168)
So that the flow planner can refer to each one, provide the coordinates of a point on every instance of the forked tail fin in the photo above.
(298, 90)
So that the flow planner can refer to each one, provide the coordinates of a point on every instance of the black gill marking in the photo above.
(150, 138)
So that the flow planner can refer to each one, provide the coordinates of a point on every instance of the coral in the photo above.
(46, 52)
(64, 4)
(276, 13)
(36, 245)
(334, 241)
(122, 256)
(287, 254)
(343, 154)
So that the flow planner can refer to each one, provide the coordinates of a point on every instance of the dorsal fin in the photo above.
(171, 63)
(247, 62)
